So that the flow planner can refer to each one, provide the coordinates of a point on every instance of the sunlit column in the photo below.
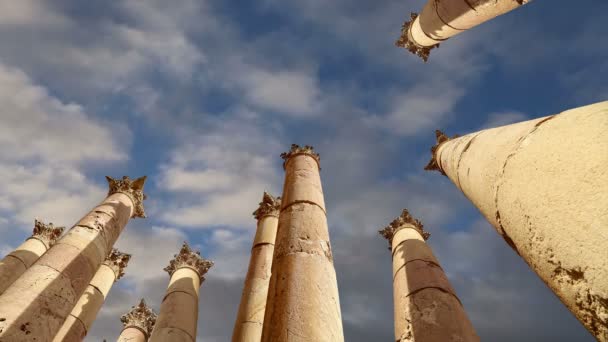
(137, 324)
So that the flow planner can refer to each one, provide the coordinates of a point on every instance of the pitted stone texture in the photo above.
(250, 317)
(29, 251)
(132, 335)
(432, 315)
(303, 302)
(177, 320)
(545, 186)
(19, 260)
(303, 229)
(302, 182)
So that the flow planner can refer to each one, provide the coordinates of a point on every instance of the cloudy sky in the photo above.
(203, 95)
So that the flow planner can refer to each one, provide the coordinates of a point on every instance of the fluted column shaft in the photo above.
(442, 19)
(37, 304)
(543, 184)
(24, 256)
(250, 317)
(303, 302)
(427, 308)
(178, 316)
(80, 320)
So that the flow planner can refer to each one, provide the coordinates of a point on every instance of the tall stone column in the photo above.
(78, 323)
(303, 302)
(250, 318)
(543, 184)
(442, 19)
(427, 308)
(178, 316)
(37, 304)
(137, 324)
(16, 262)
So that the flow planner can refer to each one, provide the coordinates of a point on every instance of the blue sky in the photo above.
(203, 96)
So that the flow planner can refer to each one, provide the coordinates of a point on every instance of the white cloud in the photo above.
(289, 92)
(32, 13)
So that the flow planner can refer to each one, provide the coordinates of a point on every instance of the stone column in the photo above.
(78, 323)
(250, 319)
(178, 316)
(543, 185)
(426, 306)
(442, 19)
(37, 304)
(303, 302)
(138, 324)
(19, 260)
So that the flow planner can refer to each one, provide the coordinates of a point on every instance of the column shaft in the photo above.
(442, 19)
(543, 185)
(24, 256)
(38, 303)
(137, 323)
(426, 306)
(178, 316)
(303, 302)
(250, 318)
(131, 334)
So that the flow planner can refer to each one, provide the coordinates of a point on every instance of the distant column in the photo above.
(78, 323)
(37, 304)
(303, 302)
(543, 185)
(442, 19)
(250, 319)
(178, 316)
(16, 262)
(426, 306)
(137, 324)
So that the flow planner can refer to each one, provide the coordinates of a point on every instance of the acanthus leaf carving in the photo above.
(140, 317)
(405, 42)
(297, 150)
(132, 188)
(46, 233)
(405, 220)
(117, 261)
(433, 164)
(189, 259)
(270, 206)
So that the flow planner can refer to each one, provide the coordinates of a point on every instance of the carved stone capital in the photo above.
(405, 220)
(297, 150)
(140, 317)
(46, 233)
(270, 206)
(405, 42)
(117, 261)
(132, 188)
(433, 163)
(189, 259)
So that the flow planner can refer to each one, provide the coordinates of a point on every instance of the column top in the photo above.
(270, 206)
(297, 150)
(117, 261)
(187, 258)
(405, 42)
(433, 163)
(46, 233)
(140, 317)
(405, 220)
(132, 188)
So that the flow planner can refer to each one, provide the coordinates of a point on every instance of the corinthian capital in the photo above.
(117, 261)
(297, 150)
(46, 233)
(405, 220)
(405, 42)
(189, 259)
(434, 163)
(269, 206)
(132, 188)
(140, 317)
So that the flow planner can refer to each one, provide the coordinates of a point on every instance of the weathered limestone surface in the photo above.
(426, 306)
(137, 324)
(177, 320)
(543, 184)
(85, 311)
(37, 304)
(24, 256)
(442, 19)
(303, 302)
(250, 317)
